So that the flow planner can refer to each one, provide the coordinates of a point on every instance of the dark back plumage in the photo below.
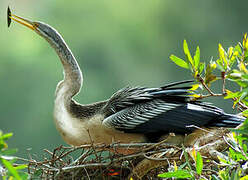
(157, 111)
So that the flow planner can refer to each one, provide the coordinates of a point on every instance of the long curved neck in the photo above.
(73, 78)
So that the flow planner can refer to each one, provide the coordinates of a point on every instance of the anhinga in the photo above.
(131, 114)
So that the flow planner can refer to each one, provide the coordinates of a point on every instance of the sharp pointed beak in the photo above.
(20, 20)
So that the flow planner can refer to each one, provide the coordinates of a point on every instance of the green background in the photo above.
(117, 43)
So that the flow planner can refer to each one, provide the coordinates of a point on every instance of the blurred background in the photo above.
(117, 44)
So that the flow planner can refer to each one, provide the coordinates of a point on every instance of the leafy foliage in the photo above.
(10, 170)
(231, 66)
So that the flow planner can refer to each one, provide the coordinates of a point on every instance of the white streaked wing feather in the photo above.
(138, 114)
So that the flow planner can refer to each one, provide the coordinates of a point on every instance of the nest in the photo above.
(147, 160)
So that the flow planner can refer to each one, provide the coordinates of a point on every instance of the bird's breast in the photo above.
(69, 127)
(76, 131)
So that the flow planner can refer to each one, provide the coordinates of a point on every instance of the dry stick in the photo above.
(72, 149)
(194, 126)
(97, 145)
(54, 157)
(156, 159)
(66, 169)
(211, 93)
(51, 169)
(137, 154)
(66, 153)
(92, 146)
(97, 164)
(88, 176)
(101, 145)
(82, 156)
(224, 137)
(123, 145)
(223, 82)
(209, 132)
(137, 145)
(149, 163)
(241, 104)
(94, 150)
(200, 79)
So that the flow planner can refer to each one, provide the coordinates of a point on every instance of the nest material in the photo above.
(100, 161)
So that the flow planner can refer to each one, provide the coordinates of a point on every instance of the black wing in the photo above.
(127, 97)
(165, 109)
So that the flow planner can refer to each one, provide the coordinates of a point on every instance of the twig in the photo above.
(211, 93)
(87, 173)
(241, 104)
(65, 169)
(200, 79)
(223, 77)
(155, 159)
(80, 157)
(94, 150)
(156, 144)
(194, 126)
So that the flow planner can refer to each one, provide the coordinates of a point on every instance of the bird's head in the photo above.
(44, 30)
(71, 67)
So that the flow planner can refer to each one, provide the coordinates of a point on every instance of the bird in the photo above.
(130, 115)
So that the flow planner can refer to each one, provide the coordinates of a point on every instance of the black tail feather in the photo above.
(176, 83)
(228, 120)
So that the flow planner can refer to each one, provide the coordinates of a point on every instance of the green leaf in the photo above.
(232, 95)
(6, 136)
(179, 61)
(186, 157)
(246, 56)
(176, 174)
(220, 66)
(199, 163)
(236, 156)
(20, 167)
(224, 175)
(245, 112)
(241, 131)
(242, 83)
(244, 94)
(11, 169)
(187, 53)
(238, 48)
(201, 67)
(235, 174)
(245, 102)
(244, 177)
(245, 76)
(197, 57)
(222, 55)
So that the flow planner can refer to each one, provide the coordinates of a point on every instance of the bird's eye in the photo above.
(36, 25)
